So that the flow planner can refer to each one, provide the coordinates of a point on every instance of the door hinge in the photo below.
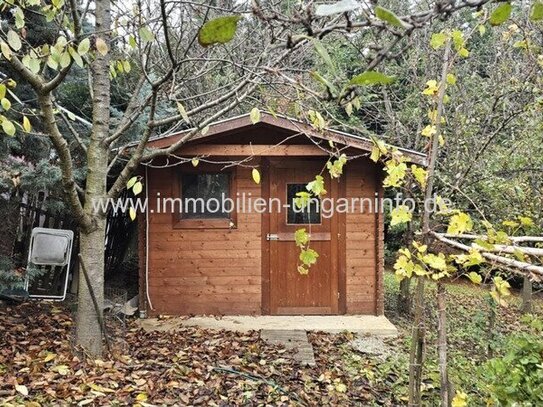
(272, 236)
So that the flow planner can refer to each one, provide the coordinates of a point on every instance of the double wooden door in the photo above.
(292, 293)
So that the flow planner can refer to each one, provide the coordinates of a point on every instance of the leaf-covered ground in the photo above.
(39, 366)
(187, 367)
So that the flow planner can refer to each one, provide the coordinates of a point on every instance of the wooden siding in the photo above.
(207, 271)
(203, 271)
(362, 227)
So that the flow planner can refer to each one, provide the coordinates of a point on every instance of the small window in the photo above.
(204, 195)
(310, 214)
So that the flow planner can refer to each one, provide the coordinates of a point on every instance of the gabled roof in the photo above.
(282, 122)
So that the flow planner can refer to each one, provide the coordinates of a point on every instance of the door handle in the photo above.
(272, 236)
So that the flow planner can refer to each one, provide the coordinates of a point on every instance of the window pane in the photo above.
(310, 214)
(203, 195)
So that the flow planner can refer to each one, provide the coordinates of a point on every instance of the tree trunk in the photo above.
(88, 331)
(442, 343)
(403, 305)
(416, 355)
(526, 295)
(404, 297)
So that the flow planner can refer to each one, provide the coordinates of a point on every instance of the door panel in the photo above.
(290, 291)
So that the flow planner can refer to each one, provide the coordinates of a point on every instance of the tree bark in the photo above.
(92, 250)
(88, 330)
(404, 297)
(442, 343)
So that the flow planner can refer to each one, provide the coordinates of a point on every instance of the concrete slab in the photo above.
(295, 339)
(359, 324)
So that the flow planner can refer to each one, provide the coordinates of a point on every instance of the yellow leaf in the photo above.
(6, 104)
(131, 182)
(26, 124)
(460, 223)
(195, 162)
(8, 127)
(255, 115)
(451, 79)
(61, 369)
(460, 399)
(431, 88)
(101, 46)
(256, 176)
(6, 51)
(375, 154)
(49, 357)
(429, 131)
(183, 112)
(2, 91)
(132, 213)
(475, 278)
(137, 188)
(141, 397)
(400, 214)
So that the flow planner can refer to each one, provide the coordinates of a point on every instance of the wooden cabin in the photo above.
(245, 262)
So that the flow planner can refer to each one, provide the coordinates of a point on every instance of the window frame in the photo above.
(180, 222)
(292, 203)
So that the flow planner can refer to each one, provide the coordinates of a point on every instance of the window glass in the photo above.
(310, 214)
(203, 195)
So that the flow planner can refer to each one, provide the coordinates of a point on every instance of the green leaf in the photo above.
(76, 57)
(83, 46)
(146, 34)
(371, 78)
(14, 41)
(218, 31)
(8, 127)
(501, 14)
(343, 6)
(256, 176)
(331, 88)
(451, 79)
(301, 237)
(323, 53)
(308, 257)
(386, 15)
(255, 115)
(536, 13)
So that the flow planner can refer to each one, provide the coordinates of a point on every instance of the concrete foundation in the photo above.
(358, 324)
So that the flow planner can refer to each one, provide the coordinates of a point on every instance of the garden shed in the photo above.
(244, 261)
